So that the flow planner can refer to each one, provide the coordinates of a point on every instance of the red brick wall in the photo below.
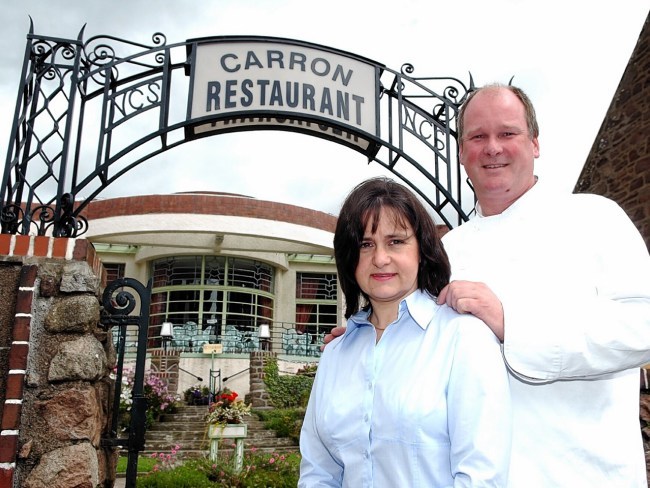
(208, 204)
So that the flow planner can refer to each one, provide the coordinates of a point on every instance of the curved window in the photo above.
(316, 295)
(207, 297)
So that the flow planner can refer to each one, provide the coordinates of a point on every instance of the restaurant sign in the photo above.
(242, 83)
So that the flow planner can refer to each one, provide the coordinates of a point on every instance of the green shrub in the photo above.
(259, 470)
(286, 422)
(289, 391)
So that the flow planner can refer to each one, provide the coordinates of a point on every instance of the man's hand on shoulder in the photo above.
(334, 333)
(477, 299)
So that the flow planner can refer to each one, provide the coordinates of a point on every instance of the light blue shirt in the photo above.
(426, 406)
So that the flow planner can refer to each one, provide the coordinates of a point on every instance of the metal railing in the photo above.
(285, 339)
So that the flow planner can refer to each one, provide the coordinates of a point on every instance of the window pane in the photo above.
(250, 274)
(158, 306)
(316, 286)
(327, 314)
(114, 271)
(215, 270)
(316, 310)
(185, 270)
(212, 302)
(240, 310)
(183, 306)
(265, 307)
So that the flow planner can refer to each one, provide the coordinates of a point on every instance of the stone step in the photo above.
(252, 423)
(201, 453)
(191, 435)
(205, 444)
(203, 434)
(187, 428)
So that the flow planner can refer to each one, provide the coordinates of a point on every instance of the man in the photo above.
(564, 282)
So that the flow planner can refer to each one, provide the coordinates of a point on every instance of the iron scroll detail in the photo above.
(81, 106)
(118, 304)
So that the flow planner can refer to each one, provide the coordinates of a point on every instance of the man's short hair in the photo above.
(531, 118)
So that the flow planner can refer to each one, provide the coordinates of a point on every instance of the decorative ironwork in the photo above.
(100, 54)
(118, 305)
(127, 85)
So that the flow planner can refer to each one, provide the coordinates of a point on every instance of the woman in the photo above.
(413, 394)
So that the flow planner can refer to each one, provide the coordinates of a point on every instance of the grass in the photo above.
(145, 464)
(259, 470)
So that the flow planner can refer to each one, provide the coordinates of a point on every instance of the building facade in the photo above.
(230, 275)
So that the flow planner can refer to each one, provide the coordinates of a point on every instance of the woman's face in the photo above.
(388, 261)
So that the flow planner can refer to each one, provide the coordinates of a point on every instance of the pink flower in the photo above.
(271, 461)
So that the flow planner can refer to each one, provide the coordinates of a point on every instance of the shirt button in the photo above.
(366, 418)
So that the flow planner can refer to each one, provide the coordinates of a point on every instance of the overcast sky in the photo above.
(568, 55)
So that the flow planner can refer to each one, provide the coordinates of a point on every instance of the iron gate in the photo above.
(118, 305)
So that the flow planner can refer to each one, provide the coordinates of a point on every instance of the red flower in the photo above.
(227, 408)
(229, 396)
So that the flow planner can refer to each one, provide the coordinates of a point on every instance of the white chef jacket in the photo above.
(427, 406)
(573, 275)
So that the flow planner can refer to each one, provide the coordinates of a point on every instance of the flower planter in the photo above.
(227, 431)
(216, 432)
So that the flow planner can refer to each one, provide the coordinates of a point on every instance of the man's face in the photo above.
(497, 151)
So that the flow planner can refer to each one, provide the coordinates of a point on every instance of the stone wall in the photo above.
(259, 397)
(57, 366)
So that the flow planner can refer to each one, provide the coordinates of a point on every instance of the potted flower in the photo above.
(197, 395)
(225, 416)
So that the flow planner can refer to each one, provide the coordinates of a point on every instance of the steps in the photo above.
(187, 429)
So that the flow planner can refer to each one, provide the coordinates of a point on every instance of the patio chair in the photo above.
(232, 339)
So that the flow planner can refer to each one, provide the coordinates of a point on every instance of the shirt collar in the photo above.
(419, 305)
(522, 202)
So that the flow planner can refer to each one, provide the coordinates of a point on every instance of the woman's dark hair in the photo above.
(363, 205)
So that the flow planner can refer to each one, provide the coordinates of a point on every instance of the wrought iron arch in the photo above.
(65, 82)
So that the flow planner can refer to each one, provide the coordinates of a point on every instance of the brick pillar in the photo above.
(165, 365)
(54, 365)
(260, 398)
(15, 379)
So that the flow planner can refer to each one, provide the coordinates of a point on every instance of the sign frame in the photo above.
(275, 63)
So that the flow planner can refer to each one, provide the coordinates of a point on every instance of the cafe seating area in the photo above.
(190, 338)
